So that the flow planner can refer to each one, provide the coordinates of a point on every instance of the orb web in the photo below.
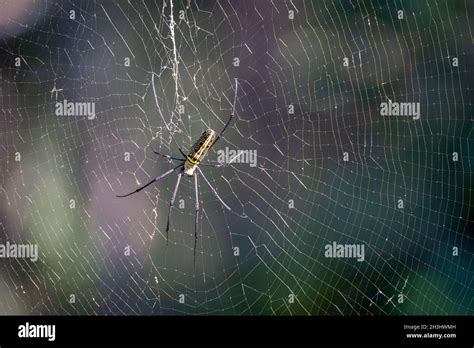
(329, 167)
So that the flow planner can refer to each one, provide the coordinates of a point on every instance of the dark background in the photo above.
(283, 62)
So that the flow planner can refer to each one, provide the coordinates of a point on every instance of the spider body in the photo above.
(189, 166)
(199, 151)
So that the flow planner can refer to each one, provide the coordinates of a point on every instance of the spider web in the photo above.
(298, 106)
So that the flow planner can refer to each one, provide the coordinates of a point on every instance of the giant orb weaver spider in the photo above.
(189, 166)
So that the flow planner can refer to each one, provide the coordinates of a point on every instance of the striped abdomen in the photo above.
(200, 150)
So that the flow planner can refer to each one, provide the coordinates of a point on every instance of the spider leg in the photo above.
(171, 205)
(233, 109)
(151, 182)
(161, 115)
(222, 164)
(217, 195)
(196, 217)
(166, 156)
(214, 164)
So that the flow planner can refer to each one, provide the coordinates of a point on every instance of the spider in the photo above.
(189, 166)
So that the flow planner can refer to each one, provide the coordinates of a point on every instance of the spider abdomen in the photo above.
(199, 151)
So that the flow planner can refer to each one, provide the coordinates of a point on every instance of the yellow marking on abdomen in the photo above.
(191, 160)
(199, 153)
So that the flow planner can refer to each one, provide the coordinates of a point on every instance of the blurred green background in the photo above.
(59, 175)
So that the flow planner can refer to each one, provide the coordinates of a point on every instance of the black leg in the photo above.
(233, 109)
(196, 217)
(166, 156)
(151, 182)
(214, 164)
(171, 205)
(222, 164)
